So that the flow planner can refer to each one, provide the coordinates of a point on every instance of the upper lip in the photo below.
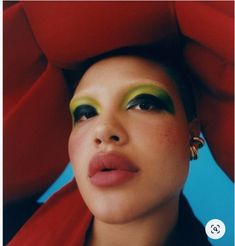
(110, 161)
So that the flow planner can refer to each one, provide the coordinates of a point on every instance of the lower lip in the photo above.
(111, 178)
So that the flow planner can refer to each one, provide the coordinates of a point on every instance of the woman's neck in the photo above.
(150, 229)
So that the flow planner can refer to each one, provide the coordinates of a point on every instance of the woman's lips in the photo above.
(110, 169)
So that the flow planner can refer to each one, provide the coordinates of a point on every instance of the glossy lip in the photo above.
(110, 169)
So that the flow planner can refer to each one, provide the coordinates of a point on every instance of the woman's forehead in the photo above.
(123, 71)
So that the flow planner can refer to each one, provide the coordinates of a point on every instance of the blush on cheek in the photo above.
(78, 148)
(76, 142)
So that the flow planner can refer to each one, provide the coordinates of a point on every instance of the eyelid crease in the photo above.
(152, 90)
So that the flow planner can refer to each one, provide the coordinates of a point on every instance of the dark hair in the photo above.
(170, 59)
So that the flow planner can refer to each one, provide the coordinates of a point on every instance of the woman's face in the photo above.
(129, 146)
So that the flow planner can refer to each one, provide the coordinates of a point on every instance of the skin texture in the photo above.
(157, 141)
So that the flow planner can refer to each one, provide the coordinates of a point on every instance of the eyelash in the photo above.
(144, 102)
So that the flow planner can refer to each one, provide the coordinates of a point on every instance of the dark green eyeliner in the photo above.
(154, 92)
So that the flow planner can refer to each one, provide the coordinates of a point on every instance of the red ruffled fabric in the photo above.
(42, 37)
(63, 220)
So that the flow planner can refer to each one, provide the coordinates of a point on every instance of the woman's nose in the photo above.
(110, 133)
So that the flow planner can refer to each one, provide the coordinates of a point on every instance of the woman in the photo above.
(40, 36)
(134, 132)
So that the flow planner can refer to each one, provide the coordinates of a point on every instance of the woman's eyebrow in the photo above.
(83, 100)
(151, 89)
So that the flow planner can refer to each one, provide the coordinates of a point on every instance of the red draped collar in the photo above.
(63, 220)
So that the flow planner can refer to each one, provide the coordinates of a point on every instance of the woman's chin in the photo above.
(120, 218)
(114, 214)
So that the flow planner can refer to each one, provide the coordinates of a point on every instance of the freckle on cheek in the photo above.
(166, 133)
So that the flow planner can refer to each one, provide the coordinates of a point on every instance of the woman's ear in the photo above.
(194, 128)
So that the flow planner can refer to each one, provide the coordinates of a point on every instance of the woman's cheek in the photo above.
(162, 140)
(77, 146)
(73, 144)
(155, 131)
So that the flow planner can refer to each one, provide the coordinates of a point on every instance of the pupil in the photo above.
(144, 106)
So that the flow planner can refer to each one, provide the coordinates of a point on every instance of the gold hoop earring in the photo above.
(193, 153)
(198, 141)
(195, 144)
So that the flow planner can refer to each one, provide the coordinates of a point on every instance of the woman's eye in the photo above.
(84, 112)
(146, 102)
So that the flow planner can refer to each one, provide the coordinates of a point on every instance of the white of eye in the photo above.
(83, 118)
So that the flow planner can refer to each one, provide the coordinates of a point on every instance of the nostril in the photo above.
(98, 141)
(115, 138)
(112, 138)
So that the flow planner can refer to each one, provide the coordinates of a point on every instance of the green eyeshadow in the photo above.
(153, 90)
(79, 101)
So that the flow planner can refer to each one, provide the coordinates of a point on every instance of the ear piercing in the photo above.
(195, 144)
